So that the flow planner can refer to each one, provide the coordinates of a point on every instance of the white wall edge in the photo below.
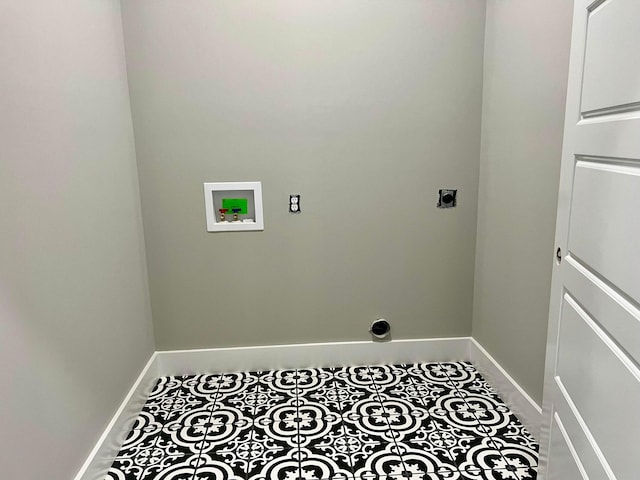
(273, 357)
(104, 452)
(518, 400)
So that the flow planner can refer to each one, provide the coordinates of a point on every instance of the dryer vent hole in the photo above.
(380, 328)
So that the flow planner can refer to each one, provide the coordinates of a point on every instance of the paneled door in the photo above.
(591, 409)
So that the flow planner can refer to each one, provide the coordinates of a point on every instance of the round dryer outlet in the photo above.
(380, 328)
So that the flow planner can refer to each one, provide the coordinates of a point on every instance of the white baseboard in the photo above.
(520, 403)
(273, 357)
(189, 362)
(108, 445)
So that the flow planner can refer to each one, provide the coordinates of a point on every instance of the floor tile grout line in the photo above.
(454, 463)
(164, 396)
(343, 426)
(297, 401)
(479, 375)
(343, 423)
(254, 412)
(351, 457)
(473, 412)
(375, 385)
(487, 432)
(393, 437)
(455, 387)
(213, 407)
(506, 460)
(411, 380)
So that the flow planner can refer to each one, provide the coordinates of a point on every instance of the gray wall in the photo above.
(364, 108)
(525, 76)
(75, 326)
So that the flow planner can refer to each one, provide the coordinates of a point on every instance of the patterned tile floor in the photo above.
(424, 421)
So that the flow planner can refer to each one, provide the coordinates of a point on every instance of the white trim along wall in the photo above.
(519, 401)
(189, 362)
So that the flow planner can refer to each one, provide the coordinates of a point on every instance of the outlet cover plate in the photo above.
(294, 203)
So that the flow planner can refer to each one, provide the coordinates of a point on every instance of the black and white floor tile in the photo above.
(431, 421)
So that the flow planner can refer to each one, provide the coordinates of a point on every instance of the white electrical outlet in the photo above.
(294, 203)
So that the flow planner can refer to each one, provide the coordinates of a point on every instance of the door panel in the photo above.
(613, 37)
(592, 376)
(603, 195)
(602, 383)
(587, 451)
(600, 136)
(564, 463)
(615, 313)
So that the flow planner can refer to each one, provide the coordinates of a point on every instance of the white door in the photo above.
(591, 410)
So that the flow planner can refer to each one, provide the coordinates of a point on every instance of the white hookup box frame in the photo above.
(252, 191)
